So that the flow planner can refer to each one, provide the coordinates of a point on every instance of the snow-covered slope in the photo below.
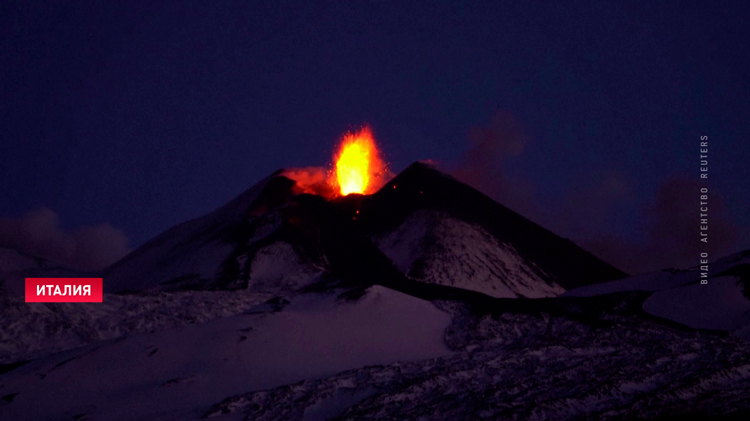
(678, 295)
(179, 373)
(433, 247)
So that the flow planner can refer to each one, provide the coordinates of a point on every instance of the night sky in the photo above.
(585, 118)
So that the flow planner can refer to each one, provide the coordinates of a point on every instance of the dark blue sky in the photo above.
(145, 115)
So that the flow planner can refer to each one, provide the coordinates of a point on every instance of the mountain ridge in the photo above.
(496, 251)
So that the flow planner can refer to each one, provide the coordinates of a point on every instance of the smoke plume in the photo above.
(38, 233)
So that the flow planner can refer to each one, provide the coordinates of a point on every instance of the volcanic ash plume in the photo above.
(311, 180)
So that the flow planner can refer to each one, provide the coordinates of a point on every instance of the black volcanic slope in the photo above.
(423, 187)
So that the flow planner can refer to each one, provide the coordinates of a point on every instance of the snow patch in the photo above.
(433, 247)
(279, 269)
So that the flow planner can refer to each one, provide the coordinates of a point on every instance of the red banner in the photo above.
(64, 290)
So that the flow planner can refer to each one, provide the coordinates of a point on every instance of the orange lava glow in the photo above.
(359, 167)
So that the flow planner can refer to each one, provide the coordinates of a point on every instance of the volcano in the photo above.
(422, 226)
(423, 300)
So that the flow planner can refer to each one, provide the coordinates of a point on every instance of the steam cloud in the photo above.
(38, 233)
(483, 165)
(311, 180)
(672, 225)
(670, 221)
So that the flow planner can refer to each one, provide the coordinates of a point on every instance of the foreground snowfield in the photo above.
(33, 330)
(524, 367)
(381, 354)
(178, 373)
